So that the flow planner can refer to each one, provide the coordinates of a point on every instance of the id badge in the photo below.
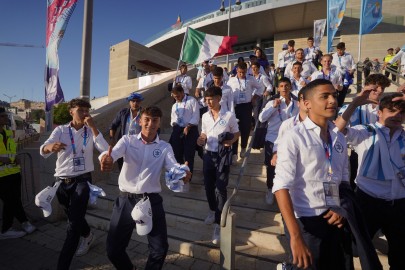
(331, 192)
(242, 97)
(78, 164)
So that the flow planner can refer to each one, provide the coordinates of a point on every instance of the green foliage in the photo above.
(36, 115)
(61, 114)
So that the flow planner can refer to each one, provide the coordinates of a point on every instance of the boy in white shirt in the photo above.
(311, 164)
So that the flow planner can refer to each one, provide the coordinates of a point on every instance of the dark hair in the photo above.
(242, 65)
(300, 49)
(272, 64)
(284, 79)
(341, 46)
(241, 59)
(218, 72)
(183, 65)
(310, 38)
(307, 89)
(291, 43)
(297, 64)
(178, 88)
(213, 91)
(256, 64)
(387, 103)
(2, 110)
(378, 79)
(152, 111)
(77, 102)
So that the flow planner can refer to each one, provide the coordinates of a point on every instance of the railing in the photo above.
(27, 178)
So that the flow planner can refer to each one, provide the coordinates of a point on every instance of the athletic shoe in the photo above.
(269, 197)
(28, 227)
(281, 266)
(242, 152)
(210, 218)
(12, 233)
(216, 236)
(85, 243)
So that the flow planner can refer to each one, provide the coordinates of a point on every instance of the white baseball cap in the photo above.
(44, 198)
(142, 214)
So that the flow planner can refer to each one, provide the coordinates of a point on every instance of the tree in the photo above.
(36, 115)
(61, 114)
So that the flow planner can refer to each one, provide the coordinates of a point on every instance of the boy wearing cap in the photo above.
(10, 184)
(185, 117)
(74, 143)
(145, 156)
(127, 120)
(183, 79)
(215, 122)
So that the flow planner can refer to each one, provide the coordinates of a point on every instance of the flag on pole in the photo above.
(199, 46)
(371, 15)
(178, 23)
(319, 29)
(336, 12)
(58, 15)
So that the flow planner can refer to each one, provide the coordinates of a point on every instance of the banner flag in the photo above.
(319, 30)
(371, 15)
(336, 12)
(58, 15)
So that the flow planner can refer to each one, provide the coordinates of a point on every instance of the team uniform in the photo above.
(73, 167)
(343, 64)
(185, 82)
(307, 69)
(334, 77)
(309, 53)
(297, 84)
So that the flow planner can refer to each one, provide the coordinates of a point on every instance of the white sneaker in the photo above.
(281, 266)
(28, 227)
(12, 233)
(85, 243)
(216, 236)
(242, 152)
(210, 218)
(269, 197)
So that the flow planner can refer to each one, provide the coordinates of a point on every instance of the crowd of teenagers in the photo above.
(332, 205)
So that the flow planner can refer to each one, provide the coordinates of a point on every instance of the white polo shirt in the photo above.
(143, 163)
(302, 166)
(334, 77)
(361, 139)
(343, 63)
(244, 89)
(64, 162)
(185, 112)
(185, 82)
(226, 122)
(275, 116)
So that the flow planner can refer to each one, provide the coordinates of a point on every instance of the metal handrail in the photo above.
(395, 73)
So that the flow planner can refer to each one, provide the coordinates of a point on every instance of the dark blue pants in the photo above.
(270, 170)
(184, 146)
(342, 95)
(326, 243)
(74, 198)
(215, 184)
(389, 216)
(243, 112)
(10, 194)
(122, 226)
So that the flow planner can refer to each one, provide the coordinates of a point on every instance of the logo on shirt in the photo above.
(339, 147)
(222, 122)
(156, 153)
(87, 135)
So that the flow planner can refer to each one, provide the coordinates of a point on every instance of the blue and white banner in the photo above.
(336, 11)
(319, 29)
(371, 15)
(58, 15)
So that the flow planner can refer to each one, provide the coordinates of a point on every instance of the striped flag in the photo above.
(58, 15)
(199, 46)
(371, 15)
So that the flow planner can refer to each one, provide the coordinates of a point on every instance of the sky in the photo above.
(24, 22)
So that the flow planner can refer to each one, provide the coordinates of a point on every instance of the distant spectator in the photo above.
(240, 60)
(367, 67)
(389, 66)
(261, 57)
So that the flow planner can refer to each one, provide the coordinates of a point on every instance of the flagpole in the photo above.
(360, 29)
(181, 53)
(327, 27)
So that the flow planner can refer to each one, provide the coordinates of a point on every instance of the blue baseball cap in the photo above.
(135, 95)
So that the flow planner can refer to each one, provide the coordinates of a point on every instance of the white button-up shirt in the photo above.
(302, 166)
(307, 69)
(362, 139)
(288, 124)
(244, 89)
(226, 122)
(309, 53)
(363, 115)
(264, 81)
(188, 110)
(334, 77)
(275, 116)
(185, 82)
(64, 162)
(343, 63)
(143, 163)
(227, 98)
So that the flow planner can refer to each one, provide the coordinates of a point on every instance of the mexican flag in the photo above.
(199, 46)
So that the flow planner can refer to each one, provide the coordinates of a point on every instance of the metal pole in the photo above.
(86, 50)
(327, 27)
(229, 31)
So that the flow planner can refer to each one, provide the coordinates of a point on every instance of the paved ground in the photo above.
(40, 251)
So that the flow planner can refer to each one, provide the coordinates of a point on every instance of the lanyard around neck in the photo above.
(177, 108)
(73, 140)
(291, 111)
(328, 153)
(240, 85)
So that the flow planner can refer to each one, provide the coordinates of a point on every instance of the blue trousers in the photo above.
(74, 198)
(215, 184)
(243, 112)
(122, 226)
(184, 146)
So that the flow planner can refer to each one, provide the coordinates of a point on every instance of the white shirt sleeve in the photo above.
(267, 111)
(55, 137)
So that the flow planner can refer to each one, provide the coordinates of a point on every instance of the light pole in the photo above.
(222, 8)
(10, 97)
